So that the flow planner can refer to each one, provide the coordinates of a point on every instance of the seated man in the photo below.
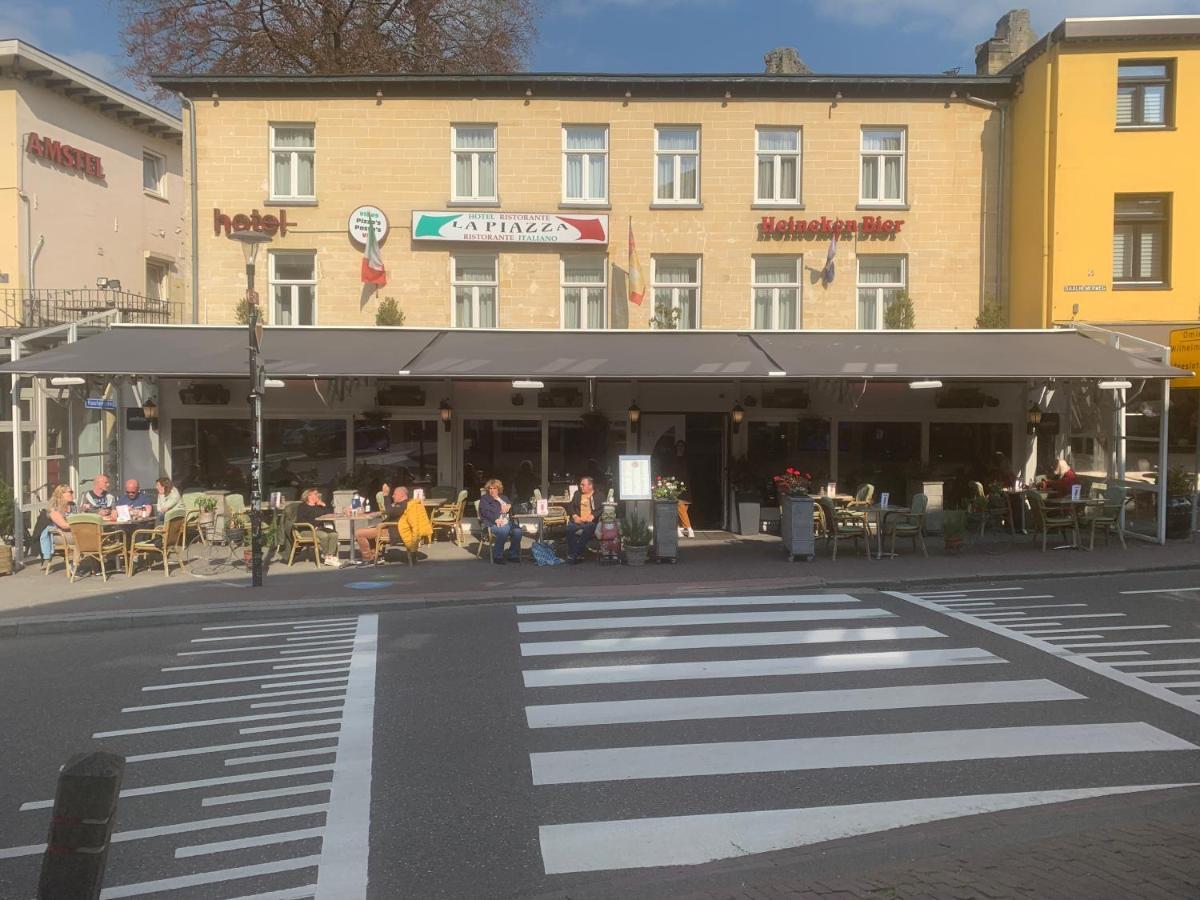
(98, 499)
(581, 513)
(138, 501)
(311, 507)
(394, 504)
(494, 515)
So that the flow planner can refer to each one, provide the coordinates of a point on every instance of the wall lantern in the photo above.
(635, 416)
(445, 413)
(737, 414)
(150, 411)
(1033, 418)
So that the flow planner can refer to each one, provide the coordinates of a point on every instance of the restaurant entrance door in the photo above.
(691, 447)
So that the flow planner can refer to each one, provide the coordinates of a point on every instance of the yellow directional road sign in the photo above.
(1185, 354)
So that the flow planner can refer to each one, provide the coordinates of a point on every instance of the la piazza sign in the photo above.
(516, 228)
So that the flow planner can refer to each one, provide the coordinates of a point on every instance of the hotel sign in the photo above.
(512, 228)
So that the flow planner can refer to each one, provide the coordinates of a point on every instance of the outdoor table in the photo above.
(434, 502)
(354, 519)
(535, 518)
(128, 528)
(840, 499)
(881, 513)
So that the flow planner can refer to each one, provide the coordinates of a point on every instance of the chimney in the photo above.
(785, 61)
(1012, 38)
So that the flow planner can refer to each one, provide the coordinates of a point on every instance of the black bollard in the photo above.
(85, 804)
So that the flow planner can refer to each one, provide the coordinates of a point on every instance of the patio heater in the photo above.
(250, 241)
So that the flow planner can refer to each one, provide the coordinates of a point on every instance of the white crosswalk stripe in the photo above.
(597, 720)
(315, 850)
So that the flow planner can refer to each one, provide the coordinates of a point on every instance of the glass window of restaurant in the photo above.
(576, 449)
(962, 452)
(508, 449)
(773, 446)
(400, 451)
(885, 454)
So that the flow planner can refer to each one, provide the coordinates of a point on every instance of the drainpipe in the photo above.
(33, 252)
(1000, 160)
(184, 101)
(18, 487)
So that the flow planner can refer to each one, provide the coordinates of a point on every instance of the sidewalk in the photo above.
(1142, 845)
(32, 602)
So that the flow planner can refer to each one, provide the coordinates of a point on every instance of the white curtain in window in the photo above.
(787, 178)
(293, 137)
(487, 175)
(473, 268)
(766, 178)
(866, 308)
(876, 141)
(673, 271)
(462, 307)
(687, 178)
(775, 271)
(687, 307)
(283, 304)
(666, 177)
(283, 174)
(595, 307)
(150, 172)
(462, 175)
(474, 137)
(583, 270)
(891, 178)
(678, 139)
(585, 138)
(879, 271)
(870, 177)
(487, 307)
(571, 307)
(304, 174)
(777, 140)
(762, 308)
(789, 304)
(304, 304)
(574, 175)
(598, 188)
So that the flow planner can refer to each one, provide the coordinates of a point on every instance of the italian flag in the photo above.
(372, 264)
(637, 282)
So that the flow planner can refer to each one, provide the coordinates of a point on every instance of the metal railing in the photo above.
(45, 307)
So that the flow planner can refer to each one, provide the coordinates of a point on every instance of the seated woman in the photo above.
(168, 497)
(495, 515)
(1062, 479)
(62, 504)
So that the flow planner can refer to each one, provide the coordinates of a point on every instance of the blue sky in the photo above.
(833, 36)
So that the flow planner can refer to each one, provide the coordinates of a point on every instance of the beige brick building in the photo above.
(920, 152)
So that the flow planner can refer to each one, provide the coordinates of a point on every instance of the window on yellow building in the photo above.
(776, 292)
(293, 162)
(154, 169)
(677, 287)
(293, 277)
(474, 160)
(583, 291)
(1144, 94)
(777, 173)
(475, 287)
(1141, 229)
(677, 164)
(883, 152)
(881, 280)
(585, 164)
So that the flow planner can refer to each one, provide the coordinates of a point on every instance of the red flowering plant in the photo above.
(793, 482)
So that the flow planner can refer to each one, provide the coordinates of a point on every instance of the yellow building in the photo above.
(1104, 189)
(713, 173)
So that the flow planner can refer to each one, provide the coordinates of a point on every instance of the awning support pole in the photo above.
(1163, 459)
(18, 489)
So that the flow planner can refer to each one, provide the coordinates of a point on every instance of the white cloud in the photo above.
(974, 20)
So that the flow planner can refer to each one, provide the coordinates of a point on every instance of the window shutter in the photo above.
(1153, 97)
(1125, 105)
(1122, 256)
(1150, 253)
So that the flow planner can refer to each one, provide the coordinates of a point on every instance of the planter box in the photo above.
(666, 538)
(749, 513)
(636, 556)
(796, 527)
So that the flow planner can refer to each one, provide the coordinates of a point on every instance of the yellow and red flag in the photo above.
(636, 281)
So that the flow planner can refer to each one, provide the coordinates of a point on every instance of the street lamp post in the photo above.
(250, 241)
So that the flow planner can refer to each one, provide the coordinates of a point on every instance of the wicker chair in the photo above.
(993, 507)
(167, 538)
(92, 542)
(449, 517)
(304, 534)
(61, 544)
(909, 524)
(862, 497)
(1045, 521)
(843, 525)
(485, 536)
(1108, 517)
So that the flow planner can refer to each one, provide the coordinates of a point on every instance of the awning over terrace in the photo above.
(220, 352)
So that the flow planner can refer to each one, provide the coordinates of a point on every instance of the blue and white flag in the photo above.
(828, 272)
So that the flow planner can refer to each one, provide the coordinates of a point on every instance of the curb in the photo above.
(267, 610)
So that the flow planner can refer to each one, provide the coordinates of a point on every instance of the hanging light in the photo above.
(150, 411)
(635, 416)
(1033, 418)
(445, 412)
(737, 415)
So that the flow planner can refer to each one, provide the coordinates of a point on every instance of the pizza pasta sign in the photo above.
(514, 228)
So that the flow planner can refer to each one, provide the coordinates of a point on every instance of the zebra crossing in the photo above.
(244, 785)
(1110, 643)
(679, 731)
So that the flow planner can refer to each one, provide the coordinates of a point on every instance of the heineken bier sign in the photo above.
(513, 228)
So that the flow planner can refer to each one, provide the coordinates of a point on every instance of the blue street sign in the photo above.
(99, 403)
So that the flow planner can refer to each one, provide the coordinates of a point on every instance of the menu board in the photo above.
(634, 477)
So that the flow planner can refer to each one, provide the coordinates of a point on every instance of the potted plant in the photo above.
(954, 529)
(207, 507)
(635, 535)
(665, 493)
(795, 513)
(1181, 485)
(235, 530)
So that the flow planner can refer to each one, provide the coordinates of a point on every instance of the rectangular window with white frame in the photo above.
(154, 173)
(1144, 96)
(474, 286)
(585, 164)
(293, 286)
(881, 281)
(293, 162)
(584, 290)
(473, 160)
(777, 169)
(776, 292)
(677, 165)
(883, 168)
(157, 273)
(677, 290)
(1141, 234)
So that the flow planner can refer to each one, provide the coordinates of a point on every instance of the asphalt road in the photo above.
(552, 749)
